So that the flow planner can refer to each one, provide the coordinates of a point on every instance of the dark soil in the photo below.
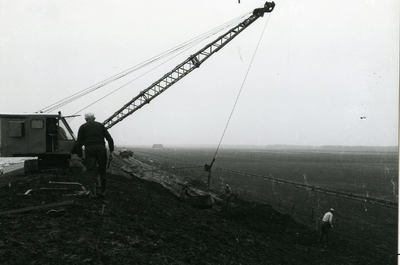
(141, 222)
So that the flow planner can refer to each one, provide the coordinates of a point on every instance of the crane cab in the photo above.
(43, 135)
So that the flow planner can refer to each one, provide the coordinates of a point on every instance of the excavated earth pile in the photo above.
(142, 222)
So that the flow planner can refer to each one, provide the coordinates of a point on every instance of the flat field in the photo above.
(372, 173)
(369, 172)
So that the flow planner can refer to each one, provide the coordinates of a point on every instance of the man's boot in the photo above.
(103, 187)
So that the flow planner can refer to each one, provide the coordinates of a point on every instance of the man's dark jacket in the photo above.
(93, 133)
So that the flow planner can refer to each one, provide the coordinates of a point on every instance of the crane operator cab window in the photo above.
(55, 131)
(63, 132)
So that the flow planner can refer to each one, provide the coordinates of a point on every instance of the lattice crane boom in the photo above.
(194, 61)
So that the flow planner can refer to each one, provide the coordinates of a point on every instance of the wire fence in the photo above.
(384, 202)
(387, 203)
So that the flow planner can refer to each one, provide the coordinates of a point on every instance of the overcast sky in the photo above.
(325, 72)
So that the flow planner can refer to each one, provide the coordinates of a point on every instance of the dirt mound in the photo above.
(141, 222)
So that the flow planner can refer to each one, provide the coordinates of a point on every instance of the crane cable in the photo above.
(186, 45)
(193, 43)
(208, 167)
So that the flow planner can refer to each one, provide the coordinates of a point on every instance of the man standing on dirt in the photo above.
(326, 225)
(92, 134)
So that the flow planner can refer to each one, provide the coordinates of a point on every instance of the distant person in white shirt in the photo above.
(326, 225)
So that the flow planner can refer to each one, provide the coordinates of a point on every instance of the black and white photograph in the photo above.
(199, 132)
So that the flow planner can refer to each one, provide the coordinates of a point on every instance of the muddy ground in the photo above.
(142, 222)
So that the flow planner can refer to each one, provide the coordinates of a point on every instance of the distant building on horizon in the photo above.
(158, 146)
